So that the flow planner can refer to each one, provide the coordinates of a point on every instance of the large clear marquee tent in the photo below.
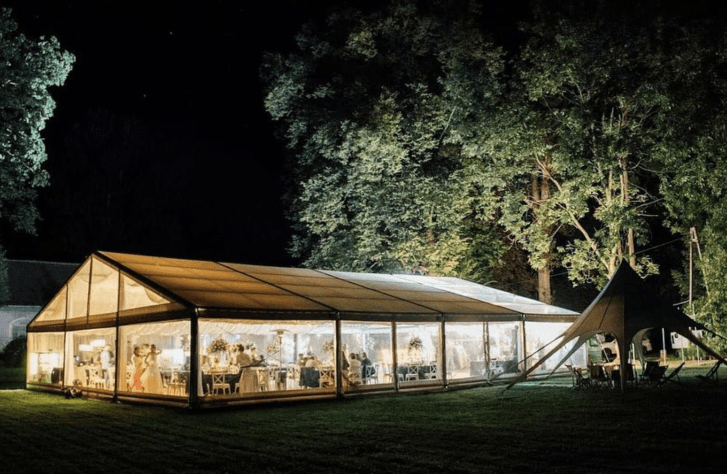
(199, 333)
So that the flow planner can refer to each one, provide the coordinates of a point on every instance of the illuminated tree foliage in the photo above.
(364, 110)
(570, 149)
(28, 68)
(416, 144)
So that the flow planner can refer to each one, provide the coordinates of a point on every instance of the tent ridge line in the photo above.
(276, 286)
(441, 314)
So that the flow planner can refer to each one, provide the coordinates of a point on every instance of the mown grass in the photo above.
(534, 427)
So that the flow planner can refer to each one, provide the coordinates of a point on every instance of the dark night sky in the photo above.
(189, 75)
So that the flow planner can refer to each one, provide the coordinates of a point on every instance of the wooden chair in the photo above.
(712, 376)
(327, 377)
(432, 373)
(673, 375)
(369, 374)
(412, 372)
(95, 379)
(263, 380)
(218, 383)
(388, 373)
(176, 384)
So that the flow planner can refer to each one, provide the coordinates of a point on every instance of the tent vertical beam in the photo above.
(486, 347)
(117, 373)
(65, 330)
(337, 359)
(443, 349)
(524, 341)
(88, 300)
(394, 356)
(194, 359)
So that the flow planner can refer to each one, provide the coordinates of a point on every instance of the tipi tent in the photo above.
(626, 309)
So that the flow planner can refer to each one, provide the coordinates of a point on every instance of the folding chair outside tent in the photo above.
(626, 309)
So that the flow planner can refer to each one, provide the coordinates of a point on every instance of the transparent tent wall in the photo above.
(466, 355)
(418, 352)
(538, 334)
(154, 358)
(370, 344)
(45, 358)
(253, 357)
(90, 358)
(505, 347)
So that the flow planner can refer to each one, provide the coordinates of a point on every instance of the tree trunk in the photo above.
(544, 291)
(541, 195)
(626, 194)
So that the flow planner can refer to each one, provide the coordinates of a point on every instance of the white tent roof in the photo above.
(491, 295)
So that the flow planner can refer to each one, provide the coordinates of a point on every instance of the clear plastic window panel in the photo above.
(418, 353)
(91, 359)
(45, 358)
(135, 295)
(505, 348)
(366, 354)
(466, 357)
(104, 288)
(154, 358)
(250, 358)
(78, 292)
(56, 309)
(538, 334)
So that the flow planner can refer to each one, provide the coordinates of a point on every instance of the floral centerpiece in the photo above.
(218, 346)
(416, 343)
(273, 347)
(328, 346)
(415, 350)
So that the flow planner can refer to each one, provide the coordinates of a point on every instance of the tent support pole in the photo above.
(194, 360)
(486, 348)
(394, 357)
(443, 349)
(117, 373)
(337, 359)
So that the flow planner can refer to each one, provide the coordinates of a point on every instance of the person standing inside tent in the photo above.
(138, 360)
(248, 377)
(152, 379)
(106, 359)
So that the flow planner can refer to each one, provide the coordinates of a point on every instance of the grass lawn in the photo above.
(534, 427)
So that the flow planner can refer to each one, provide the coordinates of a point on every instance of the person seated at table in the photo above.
(242, 359)
(313, 361)
(107, 359)
(366, 366)
(354, 369)
(257, 359)
(344, 358)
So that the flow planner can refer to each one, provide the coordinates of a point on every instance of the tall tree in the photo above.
(28, 68)
(694, 163)
(364, 111)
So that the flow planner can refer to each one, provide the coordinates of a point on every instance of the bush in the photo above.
(14, 354)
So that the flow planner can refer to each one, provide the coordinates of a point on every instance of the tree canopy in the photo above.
(418, 143)
(28, 68)
(364, 111)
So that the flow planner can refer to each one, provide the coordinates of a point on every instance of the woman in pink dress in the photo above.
(138, 361)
